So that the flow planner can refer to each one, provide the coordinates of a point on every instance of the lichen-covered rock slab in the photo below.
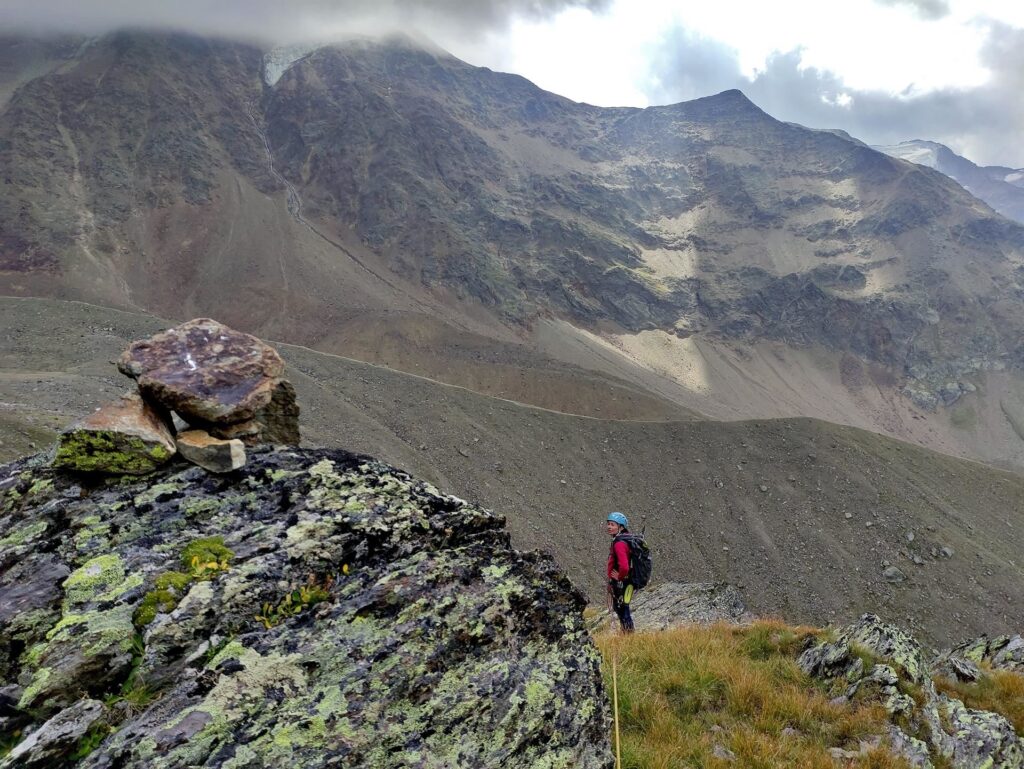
(205, 371)
(128, 436)
(213, 454)
(1002, 652)
(50, 744)
(874, 660)
(89, 648)
(312, 609)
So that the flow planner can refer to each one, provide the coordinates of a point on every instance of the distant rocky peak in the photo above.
(999, 186)
(923, 153)
(719, 105)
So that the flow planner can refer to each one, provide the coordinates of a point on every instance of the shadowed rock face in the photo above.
(671, 604)
(315, 608)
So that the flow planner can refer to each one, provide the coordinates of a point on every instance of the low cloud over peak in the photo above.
(982, 123)
(926, 9)
(274, 21)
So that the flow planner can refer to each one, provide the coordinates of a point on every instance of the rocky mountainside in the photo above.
(999, 186)
(388, 200)
(314, 608)
(807, 519)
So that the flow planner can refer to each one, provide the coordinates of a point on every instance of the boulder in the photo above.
(55, 739)
(675, 603)
(128, 436)
(205, 371)
(213, 454)
(893, 575)
(312, 609)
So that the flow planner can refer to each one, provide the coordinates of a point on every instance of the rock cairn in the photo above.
(226, 387)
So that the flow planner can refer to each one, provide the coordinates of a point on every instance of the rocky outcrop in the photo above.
(1000, 653)
(875, 661)
(313, 608)
(129, 435)
(676, 603)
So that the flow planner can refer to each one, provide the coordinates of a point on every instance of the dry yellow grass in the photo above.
(685, 693)
(999, 691)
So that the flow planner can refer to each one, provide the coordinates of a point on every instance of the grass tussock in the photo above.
(999, 691)
(686, 693)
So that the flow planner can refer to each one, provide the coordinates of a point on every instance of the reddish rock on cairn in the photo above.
(223, 384)
(205, 371)
(217, 379)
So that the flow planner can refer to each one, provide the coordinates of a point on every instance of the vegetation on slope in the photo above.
(1000, 691)
(725, 695)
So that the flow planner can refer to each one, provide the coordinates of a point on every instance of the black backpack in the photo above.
(640, 562)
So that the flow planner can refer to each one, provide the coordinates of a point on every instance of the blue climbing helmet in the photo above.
(619, 518)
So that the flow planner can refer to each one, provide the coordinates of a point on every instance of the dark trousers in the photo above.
(622, 594)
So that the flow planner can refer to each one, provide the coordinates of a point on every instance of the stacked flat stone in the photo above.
(225, 385)
(129, 436)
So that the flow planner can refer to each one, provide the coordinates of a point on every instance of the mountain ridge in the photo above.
(374, 186)
(999, 186)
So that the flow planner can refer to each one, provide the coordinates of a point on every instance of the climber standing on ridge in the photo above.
(620, 588)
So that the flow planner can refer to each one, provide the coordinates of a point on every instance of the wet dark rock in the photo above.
(314, 608)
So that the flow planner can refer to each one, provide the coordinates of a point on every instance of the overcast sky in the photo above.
(884, 70)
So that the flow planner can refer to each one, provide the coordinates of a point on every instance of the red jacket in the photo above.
(619, 553)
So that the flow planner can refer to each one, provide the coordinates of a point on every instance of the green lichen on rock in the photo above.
(109, 452)
(156, 491)
(103, 575)
(40, 487)
(168, 590)
(435, 644)
(896, 674)
(24, 533)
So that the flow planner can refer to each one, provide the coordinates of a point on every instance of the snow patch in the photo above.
(1017, 177)
(277, 61)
